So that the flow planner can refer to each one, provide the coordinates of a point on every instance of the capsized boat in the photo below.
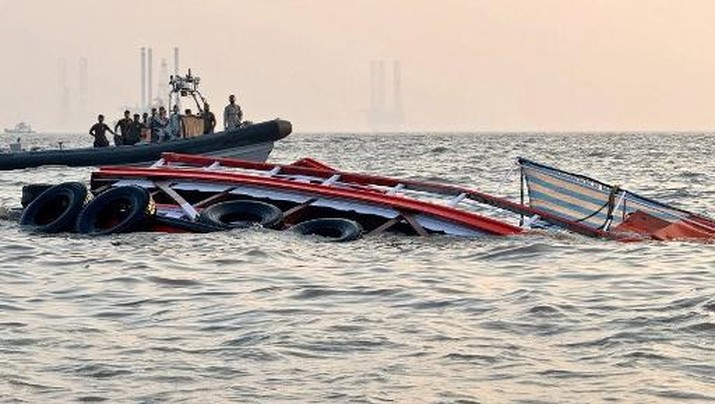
(186, 183)
(183, 185)
(183, 192)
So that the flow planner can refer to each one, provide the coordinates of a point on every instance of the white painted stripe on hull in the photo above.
(428, 222)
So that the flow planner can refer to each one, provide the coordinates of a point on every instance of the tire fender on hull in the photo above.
(56, 209)
(333, 229)
(117, 210)
(242, 214)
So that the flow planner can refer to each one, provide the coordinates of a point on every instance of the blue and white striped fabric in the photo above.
(582, 199)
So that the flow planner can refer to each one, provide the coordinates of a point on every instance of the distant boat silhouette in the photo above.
(21, 128)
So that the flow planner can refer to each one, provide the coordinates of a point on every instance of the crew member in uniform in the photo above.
(232, 114)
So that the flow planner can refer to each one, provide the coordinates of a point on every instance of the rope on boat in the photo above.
(611, 206)
(505, 178)
(610, 203)
(609, 220)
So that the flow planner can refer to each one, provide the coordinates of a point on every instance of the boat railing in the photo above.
(452, 196)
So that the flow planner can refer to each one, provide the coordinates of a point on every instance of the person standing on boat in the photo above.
(158, 125)
(152, 117)
(173, 128)
(209, 119)
(232, 114)
(99, 130)
(134, 132)
(123, 126)
(146, 131)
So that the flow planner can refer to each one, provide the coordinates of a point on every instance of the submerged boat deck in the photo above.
(308, 185)
(184, 184)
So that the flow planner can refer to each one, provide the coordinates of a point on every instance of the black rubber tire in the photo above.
(117, 210)
(193, 227)
(30, 192)
(56, 209)
(242, 214)
(333, 229)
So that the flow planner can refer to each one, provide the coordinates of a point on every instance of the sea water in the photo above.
(267, 316)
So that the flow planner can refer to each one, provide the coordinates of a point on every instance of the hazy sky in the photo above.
(470, 65)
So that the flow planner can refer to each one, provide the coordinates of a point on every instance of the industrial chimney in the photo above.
(143, 75)
(150, 84)
(176, 61)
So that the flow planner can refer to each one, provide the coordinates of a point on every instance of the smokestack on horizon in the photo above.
(150, 84)
(176, 61)
(381, 85)
(143, 78)
(373, 85)
(396, 87)
(164, 84)
(380, 115)
(64, 107)
(83, 86)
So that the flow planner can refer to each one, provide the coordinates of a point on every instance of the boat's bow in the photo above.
(284, 128)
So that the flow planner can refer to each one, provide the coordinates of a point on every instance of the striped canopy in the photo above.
(600, 206)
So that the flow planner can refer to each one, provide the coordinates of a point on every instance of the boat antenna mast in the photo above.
(184, 86)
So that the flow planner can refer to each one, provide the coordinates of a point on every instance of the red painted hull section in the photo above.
(360, 190)
(468, 219)
(326, 172)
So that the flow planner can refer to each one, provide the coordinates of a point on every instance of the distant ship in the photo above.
(20, 129)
